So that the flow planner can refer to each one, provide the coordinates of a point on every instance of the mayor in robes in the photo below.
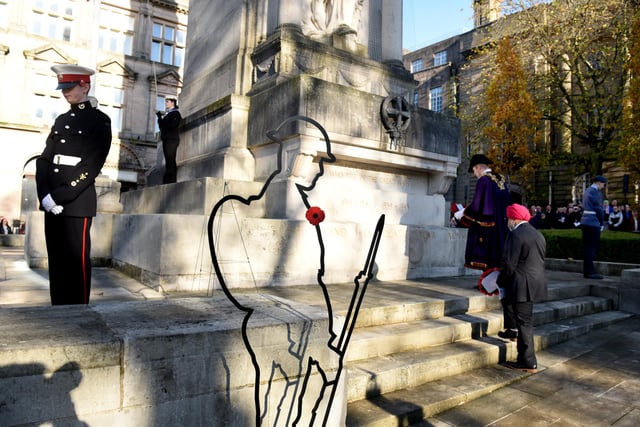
(485, 216)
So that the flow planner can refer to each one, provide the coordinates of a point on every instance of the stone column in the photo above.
(392, 30)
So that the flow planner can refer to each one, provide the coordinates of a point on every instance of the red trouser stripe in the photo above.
(84, 261)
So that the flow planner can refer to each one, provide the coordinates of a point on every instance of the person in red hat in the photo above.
(523, 280)
(74, 154)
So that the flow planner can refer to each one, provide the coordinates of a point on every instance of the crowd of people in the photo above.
(616, 217)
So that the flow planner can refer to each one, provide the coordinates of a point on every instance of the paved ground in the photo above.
(593, 380)
(20, 285)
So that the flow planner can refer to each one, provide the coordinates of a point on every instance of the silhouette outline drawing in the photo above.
(297, 384)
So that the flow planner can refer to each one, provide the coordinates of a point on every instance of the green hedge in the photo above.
(615, 246)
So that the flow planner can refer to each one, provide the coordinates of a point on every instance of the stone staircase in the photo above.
(422, 347)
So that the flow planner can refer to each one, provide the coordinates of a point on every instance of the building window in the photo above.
(52, 19)
(436, 99)
(46, 108)
(167, 44)
(48, 103)
(111, 100)
(116, 30)
(416, 66)
(416, 98)
(440, 58)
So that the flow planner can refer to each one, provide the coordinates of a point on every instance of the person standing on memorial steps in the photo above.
(73, 157)
(485, 216)
(486, 220)
(592, 224)
(169, 123)
(523, 278)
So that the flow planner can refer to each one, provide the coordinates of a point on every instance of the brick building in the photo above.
(449, 71)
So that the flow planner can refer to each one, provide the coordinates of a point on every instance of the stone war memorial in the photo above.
(300, 163)
(338, 63)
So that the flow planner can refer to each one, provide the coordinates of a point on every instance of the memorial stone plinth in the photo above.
(249, 67)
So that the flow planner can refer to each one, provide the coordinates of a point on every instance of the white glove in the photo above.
(50, 206)
(48, 203)
(458, 214)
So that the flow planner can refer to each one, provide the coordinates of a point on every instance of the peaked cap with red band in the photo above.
(516, 211)
(70, 75)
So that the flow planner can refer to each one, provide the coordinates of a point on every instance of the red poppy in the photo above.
(315, 215)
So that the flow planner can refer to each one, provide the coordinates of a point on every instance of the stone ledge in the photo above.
(630, 291)
(130, 362)
(631, 277)
(575, 265)
(12, 240)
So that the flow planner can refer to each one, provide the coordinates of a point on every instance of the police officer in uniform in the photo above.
(591, 224)
(75, 152)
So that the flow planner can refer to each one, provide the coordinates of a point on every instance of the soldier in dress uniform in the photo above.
(75, 152)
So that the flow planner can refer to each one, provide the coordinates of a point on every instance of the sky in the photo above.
(428, 21)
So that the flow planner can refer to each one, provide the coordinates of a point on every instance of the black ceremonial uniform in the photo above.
(75, 152)
(169, 133)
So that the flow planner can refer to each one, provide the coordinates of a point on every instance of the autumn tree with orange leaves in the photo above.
(581, 47)
(512, 131)
(629, 143)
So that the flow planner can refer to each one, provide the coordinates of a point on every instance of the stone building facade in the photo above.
(449, 70)
(137, 49)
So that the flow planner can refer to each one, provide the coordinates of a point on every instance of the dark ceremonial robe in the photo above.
(486, 218)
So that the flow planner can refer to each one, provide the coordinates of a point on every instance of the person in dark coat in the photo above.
(5, 228)
(169, 123)
(523, 278)
(485, 216)
(591, 224)
(74, 154)
(486, 219)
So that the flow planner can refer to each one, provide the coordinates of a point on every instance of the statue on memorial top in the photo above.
(325, 17)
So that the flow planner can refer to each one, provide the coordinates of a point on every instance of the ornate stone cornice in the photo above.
(173, 5)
